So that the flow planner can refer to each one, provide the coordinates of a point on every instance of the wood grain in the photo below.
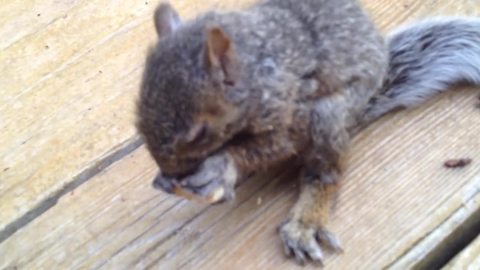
(69, 106)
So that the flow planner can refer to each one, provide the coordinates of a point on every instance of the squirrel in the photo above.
(229, 93)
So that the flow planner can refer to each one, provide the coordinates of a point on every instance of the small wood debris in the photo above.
(457, 163)
(259, 200)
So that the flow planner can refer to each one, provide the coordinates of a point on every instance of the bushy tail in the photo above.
(428, 58)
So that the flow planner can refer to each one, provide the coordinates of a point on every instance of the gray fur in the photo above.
(331, 46)
(427, 58)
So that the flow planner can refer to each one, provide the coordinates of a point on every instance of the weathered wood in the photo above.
(396, 196)
(396, 193)
(450, 236)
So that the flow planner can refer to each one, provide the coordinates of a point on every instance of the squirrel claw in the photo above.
(303, 241)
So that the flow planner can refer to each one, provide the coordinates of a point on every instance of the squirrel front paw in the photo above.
(213, 182)
(304, 241)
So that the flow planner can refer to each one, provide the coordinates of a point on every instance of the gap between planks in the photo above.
(117, 154)
(449, 238)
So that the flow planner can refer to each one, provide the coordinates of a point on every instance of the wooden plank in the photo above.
(69, 84)
(396, 192)
(450, 236)
(18, 21)
(469, 258)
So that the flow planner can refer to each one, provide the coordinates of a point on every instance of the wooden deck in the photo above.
(75, 180)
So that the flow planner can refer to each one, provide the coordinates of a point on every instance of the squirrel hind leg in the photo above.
(305, 234)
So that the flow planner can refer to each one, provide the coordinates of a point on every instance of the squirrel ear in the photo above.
(166, 20)
(220, 54)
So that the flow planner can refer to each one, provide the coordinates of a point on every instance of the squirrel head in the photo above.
(192, 99)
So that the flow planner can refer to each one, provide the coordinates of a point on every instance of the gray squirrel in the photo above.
(229, 93)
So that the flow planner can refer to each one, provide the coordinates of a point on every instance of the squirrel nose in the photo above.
(160, 183)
